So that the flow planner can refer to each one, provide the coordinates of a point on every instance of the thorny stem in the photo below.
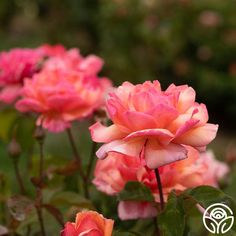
(79, 162)
(39, 195)
(158, 178)
(18, 176)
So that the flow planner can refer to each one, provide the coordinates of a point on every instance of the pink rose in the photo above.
(112, 173)
(72, 60)
(89, 223)
(15, 65)
(21, 63)
(61, 97)
(159, 123)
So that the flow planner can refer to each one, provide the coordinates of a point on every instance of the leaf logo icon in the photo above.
(218, 218)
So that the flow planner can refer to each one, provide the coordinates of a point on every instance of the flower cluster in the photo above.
(18, 64)
(112, 174)
(59, 85)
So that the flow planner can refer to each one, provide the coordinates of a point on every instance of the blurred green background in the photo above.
(174, 41)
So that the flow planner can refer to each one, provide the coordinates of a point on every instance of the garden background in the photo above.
(185, 41)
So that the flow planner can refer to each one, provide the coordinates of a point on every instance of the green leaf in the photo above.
(136, 191)
(172, 220)
(208, 195)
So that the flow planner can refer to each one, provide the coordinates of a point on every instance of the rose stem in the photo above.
(91, 159)
(78, 160)
(158, 178)
(39, 196)
(18, 176)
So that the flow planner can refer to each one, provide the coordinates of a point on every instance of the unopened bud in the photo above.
(14, 148)
(39, 133)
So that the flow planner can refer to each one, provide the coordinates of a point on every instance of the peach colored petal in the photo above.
(131, 148)
(137, 120)
(198, 137)
(156, 155)
(162, 135)
(101, 133)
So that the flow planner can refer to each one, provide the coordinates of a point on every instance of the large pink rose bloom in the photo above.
(61, 97)
(116, 170)
(161, 122)
(21, 63)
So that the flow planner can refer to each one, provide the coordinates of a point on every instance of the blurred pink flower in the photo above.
(89, 223)
(116, 170)
(160, 123)
(21, 63)
(61, 97)
(15, 65)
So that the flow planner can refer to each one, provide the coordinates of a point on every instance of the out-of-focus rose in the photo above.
(61, 96)
(112, 173)
(163, 122)
(89, 223)
(72, 60)
(21, 63)
(15, 65)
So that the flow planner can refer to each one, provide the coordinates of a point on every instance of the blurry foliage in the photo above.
(186, 41)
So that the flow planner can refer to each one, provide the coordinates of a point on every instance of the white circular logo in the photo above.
(218, 218)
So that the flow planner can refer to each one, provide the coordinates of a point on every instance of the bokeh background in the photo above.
(174, 41)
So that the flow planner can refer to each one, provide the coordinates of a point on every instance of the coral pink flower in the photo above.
(72, 60)
(112, 173)
(61, 97)
(89, 223)
(15, 65)
(161, 121)
(18, 64)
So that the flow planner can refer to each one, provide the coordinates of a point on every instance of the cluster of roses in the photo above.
(152, 128)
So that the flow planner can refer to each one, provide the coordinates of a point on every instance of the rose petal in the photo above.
(131, 148)
(156, 155)
(103, 134)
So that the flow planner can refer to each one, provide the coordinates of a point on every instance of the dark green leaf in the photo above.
(208, 195)
(172, 220)
(136, 191)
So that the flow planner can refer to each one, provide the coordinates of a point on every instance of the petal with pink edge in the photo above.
(103, 134)
(156, 155)
(129, 210)
(198, 137)
(164, 136)
(138, 120)
(131, 148)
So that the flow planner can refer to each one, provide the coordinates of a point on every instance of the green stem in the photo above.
(18, 176)
(91, 159)
(39, 194)
(79, 162)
